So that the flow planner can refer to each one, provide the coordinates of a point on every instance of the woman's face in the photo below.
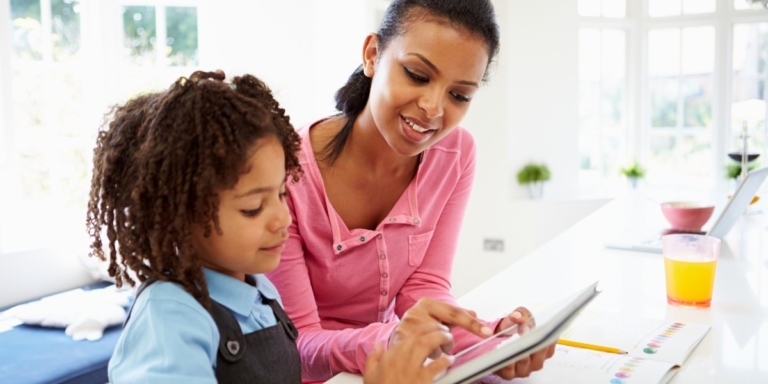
(422, 83)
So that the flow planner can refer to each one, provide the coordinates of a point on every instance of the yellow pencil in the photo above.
(591, 346)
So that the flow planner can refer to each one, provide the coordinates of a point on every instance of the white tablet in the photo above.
(506, 347)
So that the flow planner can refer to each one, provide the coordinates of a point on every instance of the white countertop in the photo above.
(736, 347)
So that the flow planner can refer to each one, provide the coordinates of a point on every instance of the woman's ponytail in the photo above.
(350, 101)
(351, 98)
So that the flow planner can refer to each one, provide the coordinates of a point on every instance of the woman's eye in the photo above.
(251, 212)
(460, 97)
(283, 195)
(415, 77)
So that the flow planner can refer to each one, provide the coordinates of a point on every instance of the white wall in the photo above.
(527, 112)
(304, 50)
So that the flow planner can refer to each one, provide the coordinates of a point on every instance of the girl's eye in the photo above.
(283, 195)
(459, 97)
(417, 78)
(251, 212)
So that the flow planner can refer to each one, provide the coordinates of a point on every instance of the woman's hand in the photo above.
(432, 311)
(424, 331)
(523, 318)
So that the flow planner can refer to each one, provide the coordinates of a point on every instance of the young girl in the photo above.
(189, 188)
(378, 213)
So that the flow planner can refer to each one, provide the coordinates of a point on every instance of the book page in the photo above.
(661, 340)
(583, 366)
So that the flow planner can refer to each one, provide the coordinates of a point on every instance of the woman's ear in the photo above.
(370, 54)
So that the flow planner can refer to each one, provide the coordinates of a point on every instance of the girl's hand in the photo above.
(523, 318)
(404, 362)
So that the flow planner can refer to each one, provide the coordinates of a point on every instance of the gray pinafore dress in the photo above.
(268, 355)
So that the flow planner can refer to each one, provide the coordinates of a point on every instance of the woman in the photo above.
(378, 213)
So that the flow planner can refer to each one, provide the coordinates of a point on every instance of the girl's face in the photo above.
(422, 83)
(253, 218)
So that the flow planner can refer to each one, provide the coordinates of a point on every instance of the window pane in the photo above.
(613, 152)
(696, 155)
(589, 8)
(613, 53)
(589, 54)
(697, 103)
(589, 104)
(139, 35)
(589, 149)
(746, 4)
(664, 103)
(615, 8)
(26, 30)
(661, 8)
(698, 50)
(182, 35)
(745, 40)
(661, 162)
(664, 52)
(48, 104)
(698, 6)
(612, 104)
(65, 28)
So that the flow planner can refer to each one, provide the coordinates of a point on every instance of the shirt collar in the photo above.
(237, 295)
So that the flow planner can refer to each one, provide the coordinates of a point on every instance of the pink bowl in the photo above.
(687, 214)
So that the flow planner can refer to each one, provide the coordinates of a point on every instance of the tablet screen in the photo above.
(493, 342)
(512, 344)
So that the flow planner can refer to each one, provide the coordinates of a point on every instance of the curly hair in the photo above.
(159, 163)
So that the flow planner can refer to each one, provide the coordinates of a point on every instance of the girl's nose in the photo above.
(281, 219)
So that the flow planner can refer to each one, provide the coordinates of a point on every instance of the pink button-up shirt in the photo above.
(346, 288)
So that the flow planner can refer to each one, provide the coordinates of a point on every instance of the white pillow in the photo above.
(84, 314)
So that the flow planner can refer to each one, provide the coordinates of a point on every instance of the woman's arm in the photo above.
(432, 277)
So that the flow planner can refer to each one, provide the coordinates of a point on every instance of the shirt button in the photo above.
(382, 310)
(384, 275)
(338, 247)
(382, 256)
(378, 236)
(383, 293)
(362, 238)
(416, 220)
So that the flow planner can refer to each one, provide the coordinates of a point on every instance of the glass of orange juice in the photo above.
(690, 262)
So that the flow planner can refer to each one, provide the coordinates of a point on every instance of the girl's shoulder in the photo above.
(166, 296)
(167, 336)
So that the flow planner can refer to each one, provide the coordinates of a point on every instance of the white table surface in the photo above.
(736, 347)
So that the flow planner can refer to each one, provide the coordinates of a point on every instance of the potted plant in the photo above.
(633, 172)
(533, 176)
(733, 170)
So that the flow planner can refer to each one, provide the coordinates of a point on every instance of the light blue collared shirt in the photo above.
(171, 338)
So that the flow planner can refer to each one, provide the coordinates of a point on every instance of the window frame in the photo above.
(100, 62)
(637, 25)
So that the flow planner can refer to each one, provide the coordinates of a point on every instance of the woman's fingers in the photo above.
(438, 366)
(452, 316)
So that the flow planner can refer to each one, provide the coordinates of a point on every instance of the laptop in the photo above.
(723, 224)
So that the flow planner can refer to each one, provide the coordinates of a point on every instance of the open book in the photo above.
(655, 350)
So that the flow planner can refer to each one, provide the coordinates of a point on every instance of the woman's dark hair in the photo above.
(159, 162)
(474, 16)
